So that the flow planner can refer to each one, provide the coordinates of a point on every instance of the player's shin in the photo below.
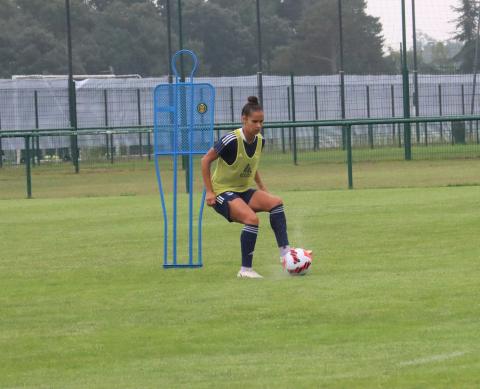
(278, 223)
(248, 238)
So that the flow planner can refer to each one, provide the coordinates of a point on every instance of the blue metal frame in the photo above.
(173, 109)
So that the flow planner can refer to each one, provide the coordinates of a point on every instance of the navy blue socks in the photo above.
(278, 222)
(248, 238)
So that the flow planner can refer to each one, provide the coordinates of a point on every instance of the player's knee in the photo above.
(251, 219)
(276, 201)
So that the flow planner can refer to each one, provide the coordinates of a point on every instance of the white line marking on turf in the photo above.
(433, 358)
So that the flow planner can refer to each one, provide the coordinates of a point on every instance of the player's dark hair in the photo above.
(252, 106)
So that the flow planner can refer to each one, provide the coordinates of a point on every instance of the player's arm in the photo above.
(259, 182)
(207, 160)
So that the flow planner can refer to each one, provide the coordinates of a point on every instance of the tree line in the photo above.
(130, 37)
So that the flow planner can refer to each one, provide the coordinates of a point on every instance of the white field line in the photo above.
(433, 358)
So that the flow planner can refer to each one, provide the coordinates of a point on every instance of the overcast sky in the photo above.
(433, 17)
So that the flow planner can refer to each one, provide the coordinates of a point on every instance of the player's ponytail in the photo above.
(252, 106)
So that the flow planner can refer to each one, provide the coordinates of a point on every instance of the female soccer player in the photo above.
(230, 189)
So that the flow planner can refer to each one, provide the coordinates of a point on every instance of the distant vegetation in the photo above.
(130, 36)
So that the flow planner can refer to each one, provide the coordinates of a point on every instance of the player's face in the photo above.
(252, 124)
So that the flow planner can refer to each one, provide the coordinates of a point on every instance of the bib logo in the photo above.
(247, 172)
(202, 108)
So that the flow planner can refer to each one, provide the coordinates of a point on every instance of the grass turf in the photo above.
(391, 300)
(138, 178)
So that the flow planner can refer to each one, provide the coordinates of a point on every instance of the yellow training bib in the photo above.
(240, 175)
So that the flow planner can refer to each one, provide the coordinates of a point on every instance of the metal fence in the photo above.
(346, 141)
(28, 104)
(444, 139)
(127, 104)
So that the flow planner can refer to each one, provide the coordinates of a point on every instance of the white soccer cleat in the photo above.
(248, 273)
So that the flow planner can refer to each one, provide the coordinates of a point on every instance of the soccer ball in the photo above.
(297, 261)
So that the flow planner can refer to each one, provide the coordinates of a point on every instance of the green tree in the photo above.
(292, 10)
(466, 32)
(99, 5)
(315, 47)
(128, 36)
(241, 30)
(29, 37)
(433, 57)
(226, 45)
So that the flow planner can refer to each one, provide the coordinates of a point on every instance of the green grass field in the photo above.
(392, 300)
(138, 177)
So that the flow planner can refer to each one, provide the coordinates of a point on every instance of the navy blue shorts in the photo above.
(222, 200)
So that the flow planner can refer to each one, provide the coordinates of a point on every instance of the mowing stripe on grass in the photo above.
(432, 358)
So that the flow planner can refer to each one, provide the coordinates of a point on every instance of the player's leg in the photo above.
(240, 212)
(262, 201)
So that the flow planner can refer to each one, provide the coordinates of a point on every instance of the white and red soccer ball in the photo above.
(297, 261)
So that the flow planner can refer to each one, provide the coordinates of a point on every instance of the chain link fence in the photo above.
(127, 104)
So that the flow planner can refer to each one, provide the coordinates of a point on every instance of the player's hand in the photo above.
(210, 198)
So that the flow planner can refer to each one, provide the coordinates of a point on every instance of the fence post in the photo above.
(440, 110)
(149, 145)
(105, 114)
(107, 151)
(35, 111)
(398, 126)
(37, 126)
(112, 150)
(407, 134)
(392, 98)
(342, 97)
(370, 127)
(72, 102)
(292, 83)
(425, 130)
(28, 167)
(349, 156)
(463, 113)
(416, 102)
(316, 140)
(232, 106)
(289, 119)
(463, 103)
(283, 139)
(1, 150)
(139, 122)
(260, 87)
(425, 125)
(75, 151)
(232, 111)
(38, 152)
